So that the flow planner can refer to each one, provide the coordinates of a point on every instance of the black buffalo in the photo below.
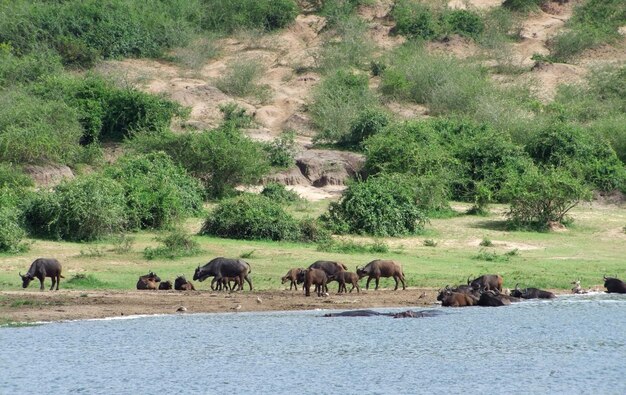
(165, 285)
(344, 278)
(42, 268)
(457, 299)
(181, 284)
(148, 281)
(329, 267)
(612, 285)
(531, 293)
(295, 276)
(486, 282)
(315, 277)
(493, 298)
(225, 267)
(381, 268)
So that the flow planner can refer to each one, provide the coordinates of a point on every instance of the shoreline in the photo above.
(70, 305)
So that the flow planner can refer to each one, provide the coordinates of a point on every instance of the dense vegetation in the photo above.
(483, 143)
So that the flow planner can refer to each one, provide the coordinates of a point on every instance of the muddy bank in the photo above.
(35, 306)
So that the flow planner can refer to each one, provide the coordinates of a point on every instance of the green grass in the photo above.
(591, 248)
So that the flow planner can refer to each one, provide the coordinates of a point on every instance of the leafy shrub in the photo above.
(336, 11)
(84, 209)
(28, 68)
(523, 5)
(84, 31)
(158, 192)
(462, 22)
(443, 83)
(11, 232)
(37, 131)
(336, 103)
(278, 193)
(221, 159)
(589, 157)
(414, 19)
(241, 79)
(251, 217)
(352, 247)
(313, 231)
(228, 16)
(122, 243)
(486, 242)
(350, 47)
(384, 205)
(13, 177)
(175, 245)
(367, 123)
(235, 115)
(107, 112)
(540, 197)
(282, 150)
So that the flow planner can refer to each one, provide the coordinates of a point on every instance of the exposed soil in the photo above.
(35, 306)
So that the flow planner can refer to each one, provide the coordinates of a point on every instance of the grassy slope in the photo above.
(593, 247)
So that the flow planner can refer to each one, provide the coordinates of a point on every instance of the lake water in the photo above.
(575, 344)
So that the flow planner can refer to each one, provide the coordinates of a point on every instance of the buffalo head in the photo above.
(26, 279)
(196, 274)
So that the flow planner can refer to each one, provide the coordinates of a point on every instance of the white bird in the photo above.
(181, 308)
(238, 307)
(258, 300)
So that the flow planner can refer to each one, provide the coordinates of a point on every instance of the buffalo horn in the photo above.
(468, 280)
(516, 287)
(21, 275)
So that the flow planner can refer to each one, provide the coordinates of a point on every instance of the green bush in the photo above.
(84, 209)
(540, 197)
(416, 20)
(367, 123)
(586, 156)
(282, 150)
(336, 103)
(350, 47)
(13, 177)
(176, 244)
(228, 16)
(462, 22)
(84, 31)
(221, 158)
(107, 112)
(158, 192)
(384, 205)
(241, 79)
(313, 231)
(12, 233)
(352, 247)
(336, 11)
(278, 193)
(37, 131)
(251, 217)
(28, 68)
(523, 5)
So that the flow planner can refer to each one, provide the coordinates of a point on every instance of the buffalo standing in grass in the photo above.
(42, 268)
(293, 275)
(346, 277)
(225, 267)
(315, 277)
(612, 285)
(381, 268)
(148, 281)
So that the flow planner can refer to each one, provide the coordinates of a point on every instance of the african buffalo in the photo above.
(493, 298)
(531, 293)
(293, 275)
(165, 285)
(181, 284)
(42, 268)
(457, 299)
(225, 267)
(487, 282)
(464, 289)
(329, 267)
(381, 268)
(612, 285)
(345, 277)
(148, 281)
(315, 277)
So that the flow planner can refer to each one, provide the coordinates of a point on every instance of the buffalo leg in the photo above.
(367, 284)
(250, 283)
(54, 280)
(41, 284)
(377, 279)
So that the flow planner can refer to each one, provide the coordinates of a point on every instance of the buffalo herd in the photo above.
(231, 275)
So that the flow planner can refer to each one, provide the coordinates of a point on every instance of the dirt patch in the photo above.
(48, 175)
(22, 306)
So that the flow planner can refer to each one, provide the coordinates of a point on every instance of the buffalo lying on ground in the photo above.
(457, 299)
(315, 277)
(148, 281)
(463, 289)
(181, 284)
(531, 293)
(612, 285)
(225, 267)
(42, 268)
(165, 285)
(293, 275)
(487, 282)
(493, 298)
(381, 268)
(345, 277)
